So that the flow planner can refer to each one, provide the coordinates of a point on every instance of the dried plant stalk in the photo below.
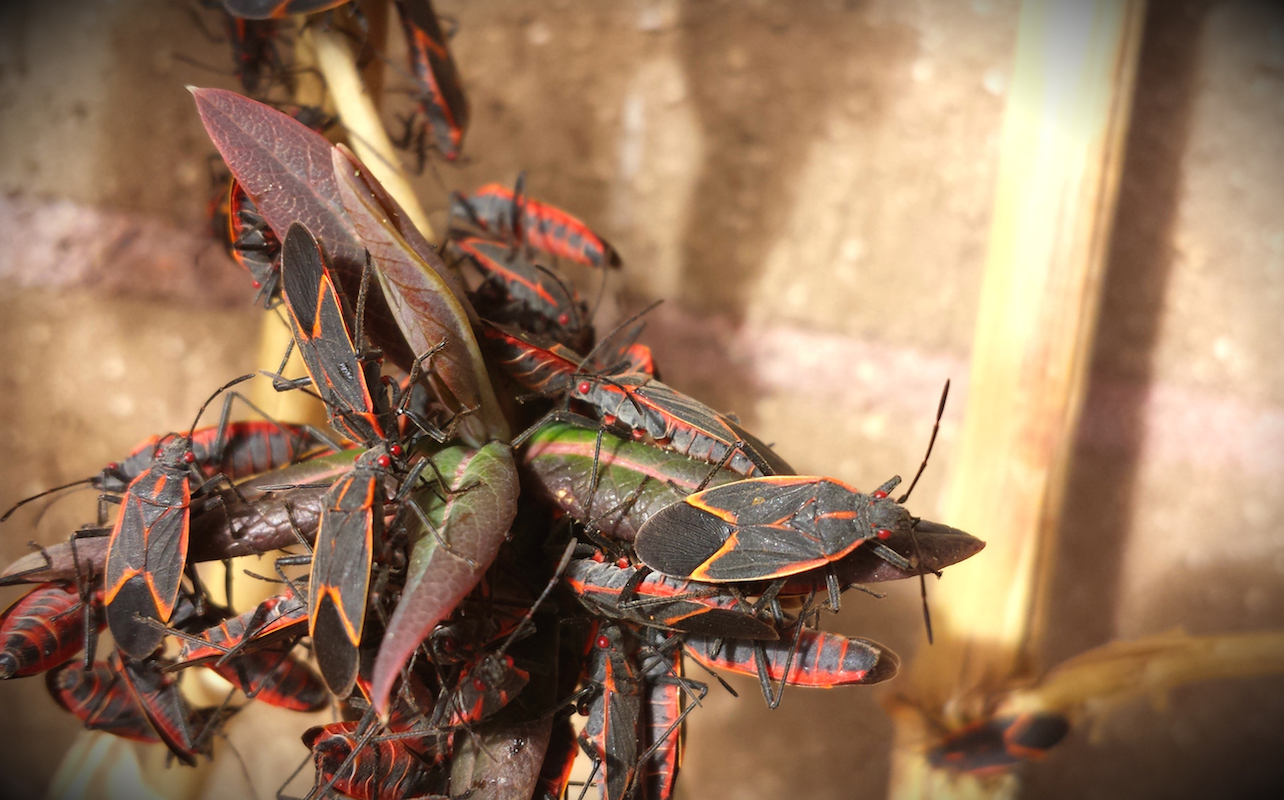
(1059, 172)
(360, 118)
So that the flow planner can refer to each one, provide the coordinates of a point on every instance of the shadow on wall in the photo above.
(1101, 484)
(1203, 739)
(765, 79)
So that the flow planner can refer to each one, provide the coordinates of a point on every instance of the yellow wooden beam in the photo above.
(1059, 168)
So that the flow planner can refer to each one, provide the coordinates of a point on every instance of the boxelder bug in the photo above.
(768, 528)
(663, 714)
(44, 629)
(234, 450)
(161, 701)
(465, 637)
(611, 733)
(365, 767)
(536, 362)
(809, 658)
(235, 650)
(509, 215)
(520, 292)
(100, 698)
(352, 517)
(484, 687)
(147, 552)
(253, 50)
(995, 746)
(335, 369)
(492, 681)
(253, 244)
(275, 618)
(777, 526)
(441, 96)
(655, 600)
(635, 405)
(277, 678)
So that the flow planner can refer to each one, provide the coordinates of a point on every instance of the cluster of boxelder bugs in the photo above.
(651, 527)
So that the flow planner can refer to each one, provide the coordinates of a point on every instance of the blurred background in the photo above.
(808, 187)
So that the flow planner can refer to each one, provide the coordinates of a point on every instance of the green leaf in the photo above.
(430, 308)
(445, 566)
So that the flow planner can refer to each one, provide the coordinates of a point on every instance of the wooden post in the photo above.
(1060, 163)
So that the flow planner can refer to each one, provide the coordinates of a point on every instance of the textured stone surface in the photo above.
(808, 186)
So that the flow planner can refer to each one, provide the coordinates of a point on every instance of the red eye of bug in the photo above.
(564, 319)
(384, 461)
(603, 642)
(479, 684)
(189, 457)
(583, 388)
(257, 284)
(113, 466)
(883, 533)
(880, 494)
(396, 450)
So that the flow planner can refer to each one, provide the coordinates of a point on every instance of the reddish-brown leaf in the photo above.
(427, 301)
(287, 170)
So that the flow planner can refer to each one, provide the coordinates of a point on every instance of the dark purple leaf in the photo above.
(425, 305)
(287, 170)
(231, 523)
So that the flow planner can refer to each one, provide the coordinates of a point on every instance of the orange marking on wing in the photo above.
(724, 514)
(111, 593)
(354, 635)
(701, 572)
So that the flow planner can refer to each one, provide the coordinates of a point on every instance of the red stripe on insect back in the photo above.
(441, 95)
(276, 678)
(275, 617)
(42, 630)
(100, 699)
(383, 769)
(542, 226)
(822, 660)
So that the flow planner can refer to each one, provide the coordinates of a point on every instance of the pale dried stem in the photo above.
(360, 117)
(1059, 171)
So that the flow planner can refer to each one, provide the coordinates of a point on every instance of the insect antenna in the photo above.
(210, 399)
(931, 442)
(45, 493)
(589, 358)
(918, 553)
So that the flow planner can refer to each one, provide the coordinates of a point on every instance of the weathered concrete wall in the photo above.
(808, 185)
